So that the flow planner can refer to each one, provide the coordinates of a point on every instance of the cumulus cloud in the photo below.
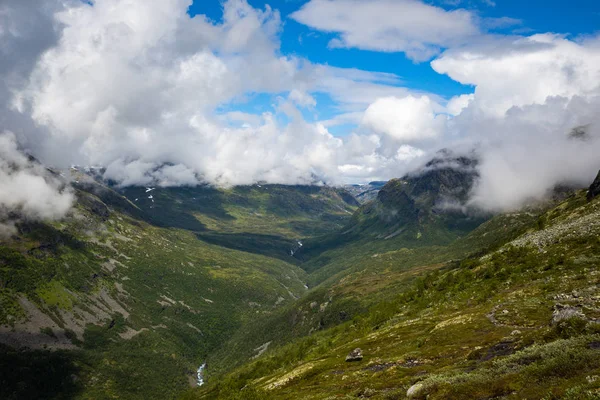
(150, 94)
(135, 86)
(28, 191)
(458, 103)
(409, 119)
(418, 29)
(514, 72)
(530, 94)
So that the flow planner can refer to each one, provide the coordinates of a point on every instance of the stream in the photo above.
(200, 375)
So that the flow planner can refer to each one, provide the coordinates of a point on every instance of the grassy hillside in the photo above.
(357, 276)
(132, 296)
(514, 317)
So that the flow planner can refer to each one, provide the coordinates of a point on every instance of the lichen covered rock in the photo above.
(355, 355)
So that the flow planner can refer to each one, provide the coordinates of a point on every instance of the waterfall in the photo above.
(200, 375)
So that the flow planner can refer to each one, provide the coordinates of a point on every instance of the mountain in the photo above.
(128, 295)
(594, 189)
(265, 291)
(436, 192)
(429, 206)
(511, 310)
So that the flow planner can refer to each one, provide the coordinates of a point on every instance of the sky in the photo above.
(581, 17)
(182, 92)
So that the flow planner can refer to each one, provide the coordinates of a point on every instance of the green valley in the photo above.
(271, 287)
(509, 310)
(299, 200)
(120, 289)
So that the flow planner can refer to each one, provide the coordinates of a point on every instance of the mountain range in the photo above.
(392, 290)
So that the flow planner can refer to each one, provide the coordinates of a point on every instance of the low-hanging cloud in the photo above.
(530, 94)
(147, 92)
(29, 191)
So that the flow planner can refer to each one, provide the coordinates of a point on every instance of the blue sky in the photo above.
(573, 18)
(577, 19)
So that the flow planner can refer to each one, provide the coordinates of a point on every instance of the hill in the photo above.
(509, 311)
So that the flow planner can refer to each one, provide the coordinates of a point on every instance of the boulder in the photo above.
(414, 390)
(562, 312)
(355, 355)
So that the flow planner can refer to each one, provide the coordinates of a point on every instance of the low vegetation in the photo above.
(514, 317)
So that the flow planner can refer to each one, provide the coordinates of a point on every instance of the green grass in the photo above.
(437, 330)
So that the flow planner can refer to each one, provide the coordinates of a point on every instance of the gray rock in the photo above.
(562, 312)
(414, 390)
(355, 355)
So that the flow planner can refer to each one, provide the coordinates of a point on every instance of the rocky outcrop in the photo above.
(594, 189)
(355, 355)
(562, 312)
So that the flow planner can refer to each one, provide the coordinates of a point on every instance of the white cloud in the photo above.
(135, 86)
(530, 93)
(352, 89)
(513, 72)
(302, 99)
(420, 30)
(408, 153)
(345, 118)
(28, 191)
(140, 88)
(458, 103)
(407, 119)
